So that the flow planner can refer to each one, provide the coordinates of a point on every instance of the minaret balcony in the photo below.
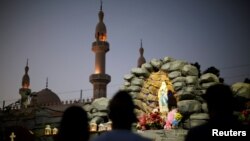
(103, 78)
(100, 43)
(100, 46)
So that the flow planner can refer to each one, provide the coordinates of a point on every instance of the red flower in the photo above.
(150, 121)
(244, 116)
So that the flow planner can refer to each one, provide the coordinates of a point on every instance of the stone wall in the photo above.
(143, 84)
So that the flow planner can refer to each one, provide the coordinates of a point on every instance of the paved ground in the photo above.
(160, 135)
(165, 135)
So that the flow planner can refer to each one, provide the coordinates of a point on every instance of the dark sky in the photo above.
(56, 37)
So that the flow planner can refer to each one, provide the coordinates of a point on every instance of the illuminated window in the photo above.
(97, 70)
(101, 127)
(109, 126)
(93, 127)
(54, 131)
(102, 36)
(26, 85)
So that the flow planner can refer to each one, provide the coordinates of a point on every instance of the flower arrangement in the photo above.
(177, 119)
(151, 120)
(173, 119)
(244, 116)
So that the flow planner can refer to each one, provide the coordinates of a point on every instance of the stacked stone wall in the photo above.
(143, 84)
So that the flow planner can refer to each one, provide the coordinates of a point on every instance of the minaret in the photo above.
(99, 79)
(25, 90)
(141, 59)
(47, 82)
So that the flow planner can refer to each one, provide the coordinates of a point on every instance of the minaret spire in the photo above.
(141, 49)
(27, 63)
(27, 67)
(47, 81)
(26, 78)
(101, 6)
(101, 14)
(141, 59)
(101, 31)
(25, 90)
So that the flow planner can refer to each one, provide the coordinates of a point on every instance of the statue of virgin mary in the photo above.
(163, 98)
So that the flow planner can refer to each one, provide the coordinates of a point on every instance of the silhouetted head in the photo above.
(219, 99)
(74, 125)
(121, 110)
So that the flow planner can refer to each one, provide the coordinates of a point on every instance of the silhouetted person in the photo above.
(121, 113)
(74, 125)
(222, 122)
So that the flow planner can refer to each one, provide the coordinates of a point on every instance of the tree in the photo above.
(247, 80)
(221, 80)
(212, 70)
(198, 66)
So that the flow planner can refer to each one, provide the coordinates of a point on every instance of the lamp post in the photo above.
(47, 130)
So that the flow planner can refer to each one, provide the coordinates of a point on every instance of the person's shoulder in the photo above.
(122, 135)
(145, 139)
(101, 137)
(200, 132)
(200, 128)
(138, 137)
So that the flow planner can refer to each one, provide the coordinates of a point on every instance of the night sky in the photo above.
(56, 36)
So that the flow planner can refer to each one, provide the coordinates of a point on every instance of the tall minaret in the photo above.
(25, 90)
(99, 79)
(141, 59)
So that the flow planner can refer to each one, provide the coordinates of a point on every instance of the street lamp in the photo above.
(47, 130)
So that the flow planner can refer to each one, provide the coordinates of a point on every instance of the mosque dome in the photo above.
(45, 96)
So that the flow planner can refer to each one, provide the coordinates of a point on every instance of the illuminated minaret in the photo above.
(99, 79)
(25, 90)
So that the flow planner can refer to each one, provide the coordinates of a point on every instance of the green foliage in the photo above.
(212, 70)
